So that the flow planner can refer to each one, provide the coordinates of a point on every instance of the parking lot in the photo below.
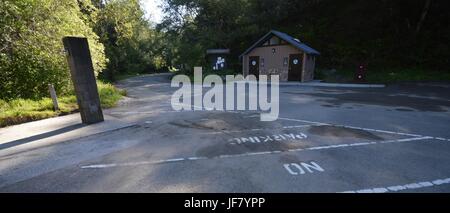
(393, 139)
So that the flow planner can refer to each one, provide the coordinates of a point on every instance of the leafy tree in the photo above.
(382, 33)
(31, 51)
(131, 45)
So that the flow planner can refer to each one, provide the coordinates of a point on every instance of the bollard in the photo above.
(52, 91)
(83, 78)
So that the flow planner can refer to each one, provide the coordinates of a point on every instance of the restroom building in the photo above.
(278, 53)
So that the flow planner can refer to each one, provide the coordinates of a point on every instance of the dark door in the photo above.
(295, 67)
(253, 66)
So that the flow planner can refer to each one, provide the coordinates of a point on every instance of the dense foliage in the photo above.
(31, 51)
(382, 33)
(386, 34)
(131, 45)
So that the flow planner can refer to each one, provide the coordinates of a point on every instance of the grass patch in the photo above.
(385, 76)
(109, 94)
(25, 110)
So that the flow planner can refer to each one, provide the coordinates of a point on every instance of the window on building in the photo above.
(274, 41)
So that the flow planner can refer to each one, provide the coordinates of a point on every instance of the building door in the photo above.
(295, 67)
(253, 66)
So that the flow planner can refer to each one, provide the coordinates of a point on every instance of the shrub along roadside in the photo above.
(25, 110)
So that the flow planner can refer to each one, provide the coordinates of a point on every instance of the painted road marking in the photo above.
(299, 169)
(366, 129)
(292, 119)
(397, 188)
(100, 166)
(268, 138)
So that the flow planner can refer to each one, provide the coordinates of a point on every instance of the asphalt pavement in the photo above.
(326, 139)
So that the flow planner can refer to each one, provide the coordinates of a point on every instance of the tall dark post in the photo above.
(83, 78)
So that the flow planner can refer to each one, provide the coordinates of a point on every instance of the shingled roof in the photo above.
(289, 39)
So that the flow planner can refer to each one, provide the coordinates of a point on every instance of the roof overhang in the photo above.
(289, 39)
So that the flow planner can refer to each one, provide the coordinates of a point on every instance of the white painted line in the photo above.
(197, 158)
(359, 144)
(380, 190)
(405, 140)
(175, 160)
(258, 153)
(326, 124)
(397, 188)
(304, 121)
(366, 129)
(101, 166)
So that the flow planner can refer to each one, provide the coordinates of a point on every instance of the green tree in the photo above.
(395, 34)
(131, 44)
(31, 51)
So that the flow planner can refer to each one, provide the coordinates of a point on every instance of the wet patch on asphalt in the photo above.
(333, 131)
(329, 105)
(216, 150)
(380, 99)
(186, 124)
(229, 122)
(404, 110)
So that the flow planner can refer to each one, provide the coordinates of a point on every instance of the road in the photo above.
(393, 139)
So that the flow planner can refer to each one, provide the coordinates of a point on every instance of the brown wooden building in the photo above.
(278, 53)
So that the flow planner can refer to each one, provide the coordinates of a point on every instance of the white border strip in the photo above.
(409, 186)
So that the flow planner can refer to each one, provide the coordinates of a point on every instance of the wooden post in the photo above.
(83, 78)
(52, 91)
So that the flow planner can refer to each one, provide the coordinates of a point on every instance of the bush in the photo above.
(109, 94)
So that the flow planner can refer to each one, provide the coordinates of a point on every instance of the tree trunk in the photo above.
(423, 16)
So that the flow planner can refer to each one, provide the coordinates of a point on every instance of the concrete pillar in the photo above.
(83, 78)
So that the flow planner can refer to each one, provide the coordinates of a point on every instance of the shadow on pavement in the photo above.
(41, 136)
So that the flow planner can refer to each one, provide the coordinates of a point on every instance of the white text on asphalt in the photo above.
(303, 168)
(269, 138)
